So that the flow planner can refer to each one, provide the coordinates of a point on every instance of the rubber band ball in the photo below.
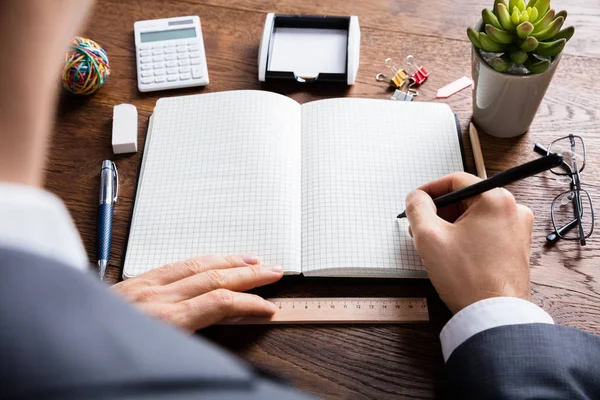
(86, 67)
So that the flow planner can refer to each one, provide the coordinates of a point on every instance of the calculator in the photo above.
(170, 54)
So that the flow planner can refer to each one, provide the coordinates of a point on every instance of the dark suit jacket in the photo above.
(64, 335)
(531, 361)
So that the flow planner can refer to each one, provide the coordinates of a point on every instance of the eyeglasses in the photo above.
(572, 211)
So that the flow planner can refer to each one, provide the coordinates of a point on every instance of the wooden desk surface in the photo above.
(345, 361)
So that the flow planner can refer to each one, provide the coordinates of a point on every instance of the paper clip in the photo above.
(419, 75)
(409, 95)
(397, 80)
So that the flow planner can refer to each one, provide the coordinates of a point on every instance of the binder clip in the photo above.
(419, 75)
(409, 95)
(397, 80)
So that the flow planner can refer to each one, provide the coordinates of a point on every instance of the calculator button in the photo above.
(171, 63)
(182, 49)
(145, 53)
(158, 65)
(147, 73)
(146, 66)
(171, 57)
(145, 60)
(184, 62)
(158, 58)
(157, 52)
(195, 54)
(159, 79)
(146, 80)
(172, 71)
(184, 69)
(182, 56)
(195, 61)
(169, 50)
(197, 72)
(184, 77)
(194, 47)
(158, 72)
(157, 46)
(172, 78)
(144, 47)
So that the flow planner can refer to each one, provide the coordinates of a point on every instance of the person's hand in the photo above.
(202, 291)
(474, 250)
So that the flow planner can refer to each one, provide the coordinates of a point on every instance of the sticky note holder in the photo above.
(309, 48)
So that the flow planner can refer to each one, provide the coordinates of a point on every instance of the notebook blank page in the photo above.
(360, 158)
(221, 175)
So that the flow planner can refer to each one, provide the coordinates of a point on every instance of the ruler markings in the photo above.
(344, 310)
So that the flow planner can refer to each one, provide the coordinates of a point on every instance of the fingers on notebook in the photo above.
(216, 305)
(202, 291)
(178, 270)
(236, 279)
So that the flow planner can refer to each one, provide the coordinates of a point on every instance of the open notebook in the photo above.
(314, 187)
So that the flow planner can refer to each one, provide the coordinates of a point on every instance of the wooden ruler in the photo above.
(342, 310)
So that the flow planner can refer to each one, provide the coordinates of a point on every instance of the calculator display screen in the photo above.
(168, 35)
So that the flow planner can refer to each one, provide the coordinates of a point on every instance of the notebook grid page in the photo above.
(360, 158)
(221, 176)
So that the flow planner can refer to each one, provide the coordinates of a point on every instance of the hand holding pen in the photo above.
(473, 250)
(501, 179)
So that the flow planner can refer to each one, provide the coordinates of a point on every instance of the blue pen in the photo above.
(109, 189)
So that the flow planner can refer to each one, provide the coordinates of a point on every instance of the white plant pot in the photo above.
(505, 105)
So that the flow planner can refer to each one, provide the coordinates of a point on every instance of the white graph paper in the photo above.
(221, 175)
(360, 159)
(316, 188)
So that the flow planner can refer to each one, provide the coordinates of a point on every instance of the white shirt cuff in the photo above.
(37, 222)
(488, 314)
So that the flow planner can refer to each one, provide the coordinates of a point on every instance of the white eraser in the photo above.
(125, 129)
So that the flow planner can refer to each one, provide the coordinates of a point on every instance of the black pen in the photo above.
(499, 180)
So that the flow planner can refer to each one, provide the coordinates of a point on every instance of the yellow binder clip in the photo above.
(398, 78)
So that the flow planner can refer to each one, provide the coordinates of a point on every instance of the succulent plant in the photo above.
(523, 34)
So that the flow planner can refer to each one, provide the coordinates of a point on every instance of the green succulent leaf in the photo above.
(566, 33)
(490, 18)
(504, 17)
(562, 13)
(531, 3)
(533, 13)
(550, 31)
(496, 2)
(515, 18)
(519, 57)
(474, 37)
(551, 49)
(521, 5)
(536, 66)
(542, 6)
(502, 64)
(489, 45)
(499, 35)
(530, 44)
(511, 5)
(543, 22)
(524, 30)
(524, 17)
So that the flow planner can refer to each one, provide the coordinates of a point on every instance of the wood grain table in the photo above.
(347, 361)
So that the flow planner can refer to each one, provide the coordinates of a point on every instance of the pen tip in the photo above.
(400, 216)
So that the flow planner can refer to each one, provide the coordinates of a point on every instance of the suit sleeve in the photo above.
(65, 335)
(525, 361)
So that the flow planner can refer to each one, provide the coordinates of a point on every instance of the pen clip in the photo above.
(116, 173)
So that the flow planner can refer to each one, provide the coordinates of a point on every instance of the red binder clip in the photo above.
(419, 74)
